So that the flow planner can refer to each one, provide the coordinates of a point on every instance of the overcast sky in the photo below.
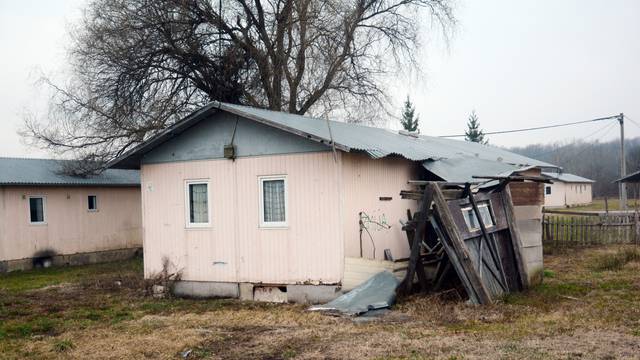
(517, 63)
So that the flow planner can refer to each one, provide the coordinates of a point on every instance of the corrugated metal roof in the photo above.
(380, 142)
(462, 169)
(17, 171)
(376, 142)
(566, 177)
(633, 177)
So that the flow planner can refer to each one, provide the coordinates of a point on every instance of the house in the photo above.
(243, 201)
(567, 190)
(49, 218)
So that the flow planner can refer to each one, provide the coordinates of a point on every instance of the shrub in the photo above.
(616, 261)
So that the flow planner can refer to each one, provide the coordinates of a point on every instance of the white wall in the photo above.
(568, 194)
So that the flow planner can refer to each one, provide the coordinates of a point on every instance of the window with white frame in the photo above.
(273, 201)
(92, 203)
(198, 210)
(37, 209)
(547, 190)
(472, 220)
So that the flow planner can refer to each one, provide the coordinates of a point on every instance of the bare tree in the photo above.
(140, 65)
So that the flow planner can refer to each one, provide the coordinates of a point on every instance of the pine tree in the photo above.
(409, 119)
(473, 132)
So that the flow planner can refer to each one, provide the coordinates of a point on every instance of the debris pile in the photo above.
(465, 240)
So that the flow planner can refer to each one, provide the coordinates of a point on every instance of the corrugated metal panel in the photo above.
(16, 171)
(633, 177)
(566, 177)
(463, 168)
(376, 142)
(382, 142)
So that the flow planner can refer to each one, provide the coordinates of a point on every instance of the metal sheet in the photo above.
(379, 292)
(16, 171)
(566, 177)
(461, 169)
(376, 142)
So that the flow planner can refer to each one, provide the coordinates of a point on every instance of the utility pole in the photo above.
(623, 166)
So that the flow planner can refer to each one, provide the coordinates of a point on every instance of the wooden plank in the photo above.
(527, 193)
(421, 228)
(515, 237)
(422, 277)
(562, 212)
(456, 249)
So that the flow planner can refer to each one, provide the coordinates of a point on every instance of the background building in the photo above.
(567, 190)
(47, 217)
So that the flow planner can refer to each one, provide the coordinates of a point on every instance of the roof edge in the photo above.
(198, 115)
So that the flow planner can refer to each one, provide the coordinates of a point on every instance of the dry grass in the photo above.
(582, 310)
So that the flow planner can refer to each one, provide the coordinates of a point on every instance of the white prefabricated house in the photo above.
(49, 217)
(243, 200)
(567, 190)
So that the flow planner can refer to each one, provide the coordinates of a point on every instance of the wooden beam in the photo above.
(515, 237)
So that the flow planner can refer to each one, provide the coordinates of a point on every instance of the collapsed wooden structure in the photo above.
(465, 238)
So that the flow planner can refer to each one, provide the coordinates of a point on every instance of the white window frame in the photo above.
(273, 224)
(469, 208)
(187, 204)
(92, 210)
(44, 209)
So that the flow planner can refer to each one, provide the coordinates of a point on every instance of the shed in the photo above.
(567, 190)
(245, 201)
(48, 217)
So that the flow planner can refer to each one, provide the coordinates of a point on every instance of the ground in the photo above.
(587, 308)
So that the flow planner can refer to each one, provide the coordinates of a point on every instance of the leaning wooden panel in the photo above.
(456, 248)
(515, 236)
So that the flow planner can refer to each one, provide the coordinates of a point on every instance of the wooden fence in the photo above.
(571, 229)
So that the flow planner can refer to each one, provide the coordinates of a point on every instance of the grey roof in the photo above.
(376, 142)
(566, 177)
(462, 169)
(630, 178)
(17, 171)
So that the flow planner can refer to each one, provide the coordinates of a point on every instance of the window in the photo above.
(472, 220)
(198, 208)
(273, 201)
(37, 208)
(92, 203)
(547, 190)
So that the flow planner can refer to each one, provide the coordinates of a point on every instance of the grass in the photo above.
(617, 260)
(599, 205)
(587, 307)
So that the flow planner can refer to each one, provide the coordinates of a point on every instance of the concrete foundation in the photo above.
(73, 259)
(303, 294)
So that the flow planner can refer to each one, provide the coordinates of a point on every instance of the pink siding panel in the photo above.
(70, 228)
(365, 180)
(235, 248)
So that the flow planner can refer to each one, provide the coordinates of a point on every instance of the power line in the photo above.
(538, 127)
(607, 128)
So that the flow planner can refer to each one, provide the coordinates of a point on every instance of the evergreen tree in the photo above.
(473, 132)
(409, 119)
